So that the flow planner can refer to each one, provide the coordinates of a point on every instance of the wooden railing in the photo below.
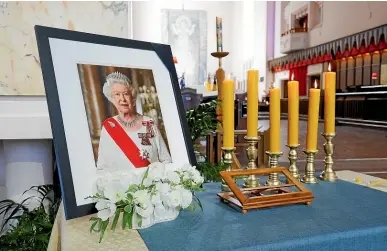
(294, 30)
(362, 108)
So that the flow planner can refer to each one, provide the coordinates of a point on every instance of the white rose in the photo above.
(186, 198)
(173, 177)
(163, 188)
(103, 181)
(186, 176)
(141, 197)
(174, 199)
(145, 210)
(160, 211)
(197, 178)
(187, 168)
(156, 199)
(105, 208)
(114, 192)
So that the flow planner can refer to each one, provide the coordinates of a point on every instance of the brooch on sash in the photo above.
(112, 125)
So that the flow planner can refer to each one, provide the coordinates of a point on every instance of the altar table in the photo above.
(343, 216)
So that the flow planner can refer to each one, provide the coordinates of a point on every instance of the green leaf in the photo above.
(198, 201)
(128, 208)
(130, 219)
(124, 219)
(132, 188)
(191, 207)
(94, 219)
(139, 220)
(129, 197)
(145, 176)
(93, 226)
(115, 220)
(103, 229)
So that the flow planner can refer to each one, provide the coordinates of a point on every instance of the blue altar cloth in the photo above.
(343, 216)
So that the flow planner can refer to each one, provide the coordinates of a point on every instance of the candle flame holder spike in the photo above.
(328, 174)
(310, 171)
(252, 154)
(227, 159)
(273, 163)
(293, 169)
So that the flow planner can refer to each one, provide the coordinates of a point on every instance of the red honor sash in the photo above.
(125, 143)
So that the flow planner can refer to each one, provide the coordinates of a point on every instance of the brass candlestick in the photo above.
(220, 76)
(227, 159)
(328, 174)
(293, 161)
(252, 155)
(310, 171)
(273, 163)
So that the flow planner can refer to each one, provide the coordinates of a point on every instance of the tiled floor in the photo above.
(357, 149)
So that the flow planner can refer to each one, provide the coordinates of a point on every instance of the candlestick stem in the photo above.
(220, 76)
(273, 163)
(328, 174)
(310, 171)
(293, 169)
(252, 155)
(227, 160)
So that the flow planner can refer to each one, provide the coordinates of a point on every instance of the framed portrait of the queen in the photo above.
(114, 105)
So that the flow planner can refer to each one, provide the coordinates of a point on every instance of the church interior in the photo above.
(316, 75)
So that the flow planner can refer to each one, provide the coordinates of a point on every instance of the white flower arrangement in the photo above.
(158, 194)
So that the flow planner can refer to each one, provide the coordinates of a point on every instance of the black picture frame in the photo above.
(43, 34)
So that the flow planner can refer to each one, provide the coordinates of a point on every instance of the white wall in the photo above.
(244, 31)
(250, 47)
(147, 24)
(341, 19)
(260, 42)
(25, 144)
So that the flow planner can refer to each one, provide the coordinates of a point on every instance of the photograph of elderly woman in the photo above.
(124, 116)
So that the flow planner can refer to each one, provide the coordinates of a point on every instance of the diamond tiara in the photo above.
(117, 76)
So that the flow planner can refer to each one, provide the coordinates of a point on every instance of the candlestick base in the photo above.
(227, 159)
(310, 171)
(252, 154)
(293, 161)
(273, 163)
(328, 174)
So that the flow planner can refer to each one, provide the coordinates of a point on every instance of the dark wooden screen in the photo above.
(336, 68)
(383, 70)
(367, 60)
(343, 74)
(359, 70)
(350, 71)
(376, 67)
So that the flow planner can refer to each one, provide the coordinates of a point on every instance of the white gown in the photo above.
(111, 159)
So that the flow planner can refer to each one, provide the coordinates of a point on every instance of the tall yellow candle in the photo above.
(275, 121)
(313, 114)
(228, 113)
(329, 101)
(252, 103)
(293, 112)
